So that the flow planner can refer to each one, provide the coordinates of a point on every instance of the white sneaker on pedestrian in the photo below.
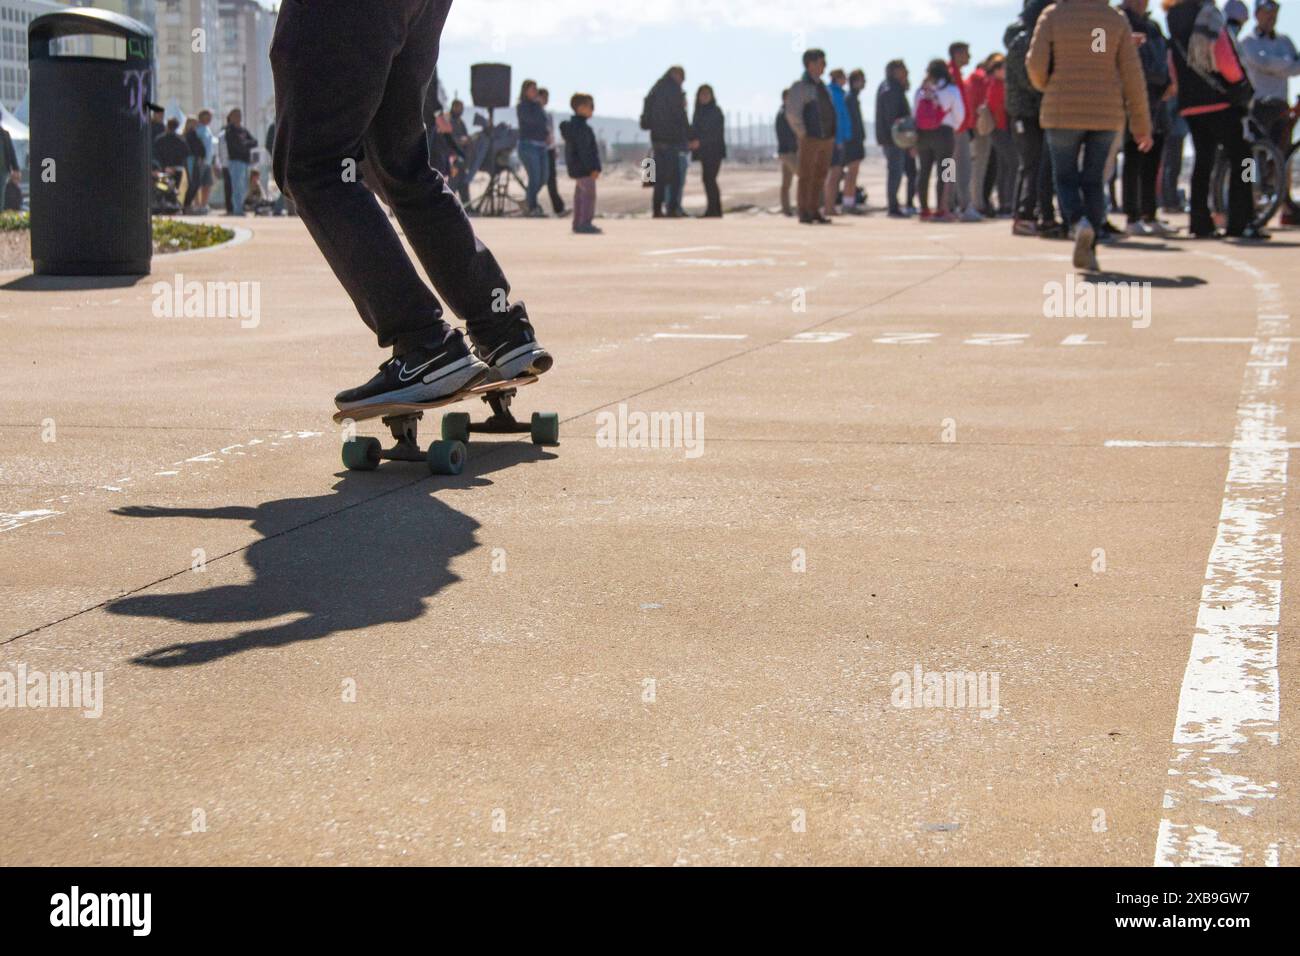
(1136, 229)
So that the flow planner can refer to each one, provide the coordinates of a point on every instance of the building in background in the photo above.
(143, 10)
(15, 15)
(188, 45)
(244, 63)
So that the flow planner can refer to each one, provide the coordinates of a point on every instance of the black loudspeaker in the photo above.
(489, 85)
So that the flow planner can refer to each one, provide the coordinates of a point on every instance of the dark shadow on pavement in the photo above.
(373, 552)
(1157, 282)
(35, 283)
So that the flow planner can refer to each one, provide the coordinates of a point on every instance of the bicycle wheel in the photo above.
(1293, 179)
(1268, 189)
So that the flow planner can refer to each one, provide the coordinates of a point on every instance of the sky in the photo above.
(747, 49)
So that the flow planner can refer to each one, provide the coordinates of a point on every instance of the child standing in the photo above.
(582, 157)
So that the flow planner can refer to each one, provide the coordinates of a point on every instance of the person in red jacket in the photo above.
(958, 60)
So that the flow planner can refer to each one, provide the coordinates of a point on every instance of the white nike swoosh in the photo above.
(491, 355)
(405, 374)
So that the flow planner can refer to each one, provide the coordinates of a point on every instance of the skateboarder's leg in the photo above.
(462, 269)
(331, 62)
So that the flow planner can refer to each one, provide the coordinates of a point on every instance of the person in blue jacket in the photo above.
(843, 134)
(582, 159)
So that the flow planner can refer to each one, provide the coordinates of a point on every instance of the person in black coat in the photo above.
(664, 116)
(709, 130)
(891, 106)
(582, 159)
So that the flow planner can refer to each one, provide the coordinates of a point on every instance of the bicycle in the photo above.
(1268, 172)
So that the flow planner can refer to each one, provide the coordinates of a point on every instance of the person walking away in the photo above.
(1213, 94)
(709, 131)
(1141, 169)
(533, 130)
(835, 176)
(335, 100)
(240, 144)
(958, 59)
(812, 117)
(1083, 58)
(855, 148)
(787, 153)
(940, 111)
(664, 116)
(582, 160)
(193, 165)
(891, 106)
(552, 186)
(1035, 203)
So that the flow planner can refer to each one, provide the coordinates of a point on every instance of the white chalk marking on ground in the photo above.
(816, 338)
(683, 251)
(732, 263)
(1079, 338)
(921, 257)
(1228, 708)
(1252, 446)
(906, 338)
(996, 338)
(11, 520)
(697, 335)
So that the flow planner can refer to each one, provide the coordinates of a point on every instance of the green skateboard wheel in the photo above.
(455, 426)
(361, 454)
(546, 428)
(447, 458)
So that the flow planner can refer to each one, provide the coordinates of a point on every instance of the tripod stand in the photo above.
(496, 200)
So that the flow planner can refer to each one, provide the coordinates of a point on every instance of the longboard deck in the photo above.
(405, 408)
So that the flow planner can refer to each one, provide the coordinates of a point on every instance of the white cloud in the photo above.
(523, 20)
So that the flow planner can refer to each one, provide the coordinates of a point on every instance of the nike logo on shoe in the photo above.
(405, 374)
(493, 354)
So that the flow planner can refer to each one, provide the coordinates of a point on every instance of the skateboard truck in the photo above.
(448, 456)
(365, 454)
(543, 427)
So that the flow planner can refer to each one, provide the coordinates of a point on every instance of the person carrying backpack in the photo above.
(939, 111)
(1213, 94)
(1142, 169)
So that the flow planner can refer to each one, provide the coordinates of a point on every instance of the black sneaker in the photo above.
(507, 344)
(424, 374)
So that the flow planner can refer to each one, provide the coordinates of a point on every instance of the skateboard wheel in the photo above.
(447, 457)
(546, 428)
(455, 427)
(361, 454)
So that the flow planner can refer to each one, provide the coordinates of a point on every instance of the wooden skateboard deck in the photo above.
(402, 408)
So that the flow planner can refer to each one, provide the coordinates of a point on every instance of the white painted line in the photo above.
(1214, 341)
(1079, 338)
(816, 338)
(683, 251)
(697, 335)
(1225, 737)
(1252, 446)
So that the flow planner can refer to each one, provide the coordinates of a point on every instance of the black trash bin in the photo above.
(89, 156)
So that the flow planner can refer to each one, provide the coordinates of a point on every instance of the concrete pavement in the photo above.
(686, 654)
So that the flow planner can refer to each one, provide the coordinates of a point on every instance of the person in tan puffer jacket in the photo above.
(1084, 58)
